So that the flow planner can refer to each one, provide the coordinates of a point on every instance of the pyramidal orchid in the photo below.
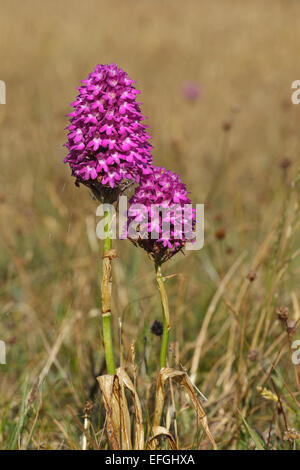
(161, 221)
(108, 150)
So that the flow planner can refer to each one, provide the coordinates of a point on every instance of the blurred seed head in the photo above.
(227, 126)
(253, 355)
(283, 313)
(157, 328)
(88, 408)
(220, 233)
(285, 163)
(290, 326)
(251, 276)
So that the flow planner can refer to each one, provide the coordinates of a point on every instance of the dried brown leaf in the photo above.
(161, 431)
(117, 414)
(182, 379)
(139, 427)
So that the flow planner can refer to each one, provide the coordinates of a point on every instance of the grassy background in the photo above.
(244, 55)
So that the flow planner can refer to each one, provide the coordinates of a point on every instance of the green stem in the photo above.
(164, 344)
(106, 298)
(108, 346)
(166, 316)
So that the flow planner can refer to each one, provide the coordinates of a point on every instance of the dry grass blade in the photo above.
(65, 433)
(117, 414)
(139, 427)
(202, 335)
(66, 329)
(159, 431)
(182, 379)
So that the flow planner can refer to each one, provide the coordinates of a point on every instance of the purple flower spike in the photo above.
(107, 140)
(160, 216)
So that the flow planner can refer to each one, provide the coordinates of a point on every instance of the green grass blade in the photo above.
(254, 436)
